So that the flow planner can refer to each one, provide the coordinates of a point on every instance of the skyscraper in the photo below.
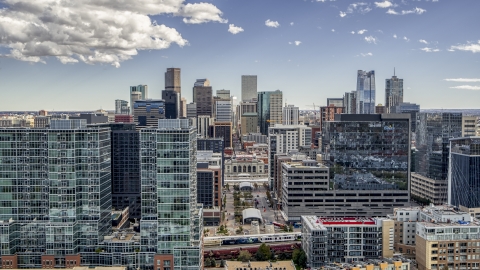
(173, 80)
(393, 92)
(350, 102)
(269, 106)
(172, 222)
(249, 87)
(290, 115)
(223, 94)
(203, 97)
(121, 107)
(147, 112)
(223, 111)
(365, 95)
(172, 104)
(55, 191)
(464, 172)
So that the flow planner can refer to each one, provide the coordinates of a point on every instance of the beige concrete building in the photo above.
(249, 123)
(430, 189)
(469, 125)
(279, 265)
(241, 165)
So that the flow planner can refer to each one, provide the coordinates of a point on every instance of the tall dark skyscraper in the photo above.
(269, 106)
(172, 104)
(173, 80)
(203, 97)
(393, 93)
(365, 96)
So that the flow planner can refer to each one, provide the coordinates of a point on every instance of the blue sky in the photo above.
(311, 55)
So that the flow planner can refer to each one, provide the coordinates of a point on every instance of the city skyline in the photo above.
(312, 46)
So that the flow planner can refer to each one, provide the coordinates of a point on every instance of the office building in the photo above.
(203, 123)
(172, 104)
(345, 240)
(147, 112)
(125, 167)
(203, 97)
(209, 179)
(469, 125)
(369, 178)
(244, 107)
(56, 188)
(222, 130)
(337, 102)
(290, 115)
(223, 94)
(393, 92)
(139, 92)
(432, 142)
(121, 107)
(183, 107)
(269, 108)
(249, 87)
(365, 94)
(91, 118)
(245, 165)
(281, 140)
(223, 111)
(41, 122)
(427, 190)
(173, 80)
(409, 108)
(255, 137)
(464, 172)
(172, 223)
(299, 195)
(350, 102)
(216, 145)
(42, 113)
(328, 113)
(249, 123)
(191, 110)
(379, 109)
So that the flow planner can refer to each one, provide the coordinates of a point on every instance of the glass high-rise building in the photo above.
(269, 106)
(464, 172)
(55, 192)
(249, 87)
(172, 222)
(365, 94)
(393, 93)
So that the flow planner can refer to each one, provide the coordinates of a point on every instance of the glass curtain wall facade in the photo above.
(369, 152)
(55, 188)
(172, 222)
(464, 172)
(365, 95)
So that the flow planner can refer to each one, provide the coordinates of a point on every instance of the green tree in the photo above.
(263, 253)
(244, 256)
(299, 257)
(227, 186)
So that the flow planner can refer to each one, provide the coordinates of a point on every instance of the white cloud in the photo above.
(469, 47)
(361, 32)
(360, 7)
(297, 42)
(423, 41)
(273, 24)
(466, 87)
(291, 23)
(384, 4)
(200, 13)
(416, 10)
(371, 39)
(406, 39)
(462, 80)
(427, 49)
(353, 32)
(234, 29)
(93, 31)
(394, 35)
(391, 11)
(366, 54)
(333, 30)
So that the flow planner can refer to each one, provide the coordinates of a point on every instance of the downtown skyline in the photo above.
(310, 47)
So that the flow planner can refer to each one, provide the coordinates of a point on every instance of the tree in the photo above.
(255, 185)
(244, 256)
(299, 257)
(263, 253)
(227, 186)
